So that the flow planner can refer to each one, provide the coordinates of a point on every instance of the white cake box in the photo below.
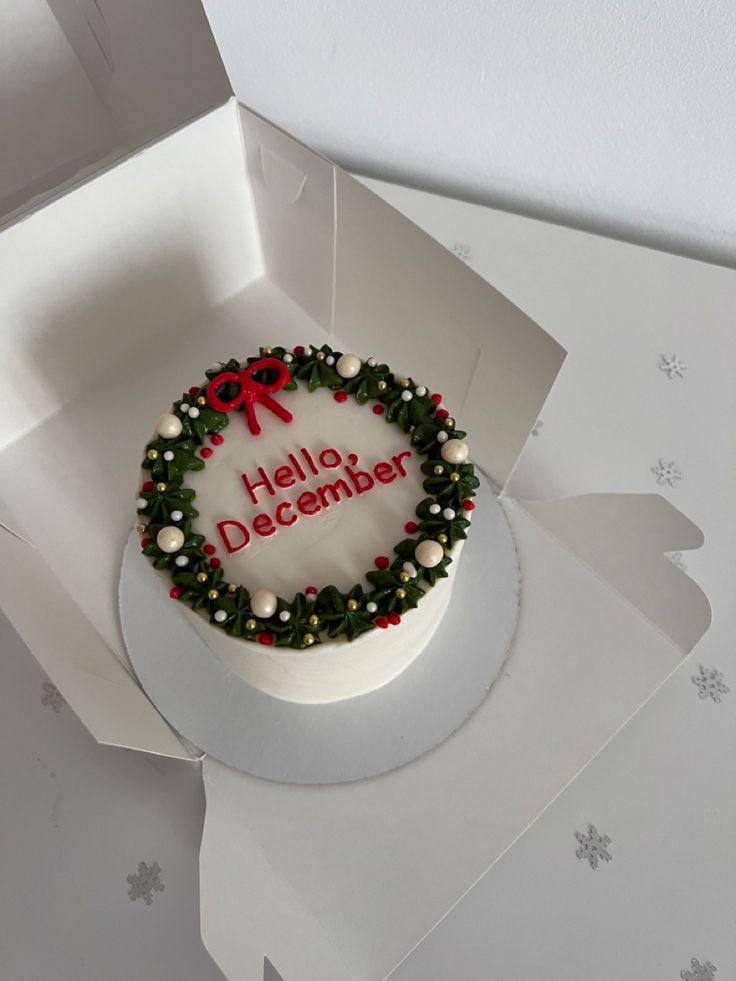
(226, 234)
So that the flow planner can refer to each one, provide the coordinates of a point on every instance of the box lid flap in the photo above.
(100, 690)
(419, 307)
(622, 538)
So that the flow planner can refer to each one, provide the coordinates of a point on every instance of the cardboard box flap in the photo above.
(230, 856)
(622, 538)
(492, 364)
(293, 194)
(102, 693)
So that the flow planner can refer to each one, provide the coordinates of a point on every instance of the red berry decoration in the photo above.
(394, 619)
(381, 622)
(209, 549)
(217, 440)
(299, 350)
(176, 592)
(468, 506)
(442, 413)
(436, 398)
(145, 541)
(382, 562)
(206, 452)
(340, 396)
(378, 409)
(411, 527)
(311, 590)
(265, 639)
(194, 390)
(147, 486)
(215, 563)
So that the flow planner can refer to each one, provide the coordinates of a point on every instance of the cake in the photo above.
(307, 509)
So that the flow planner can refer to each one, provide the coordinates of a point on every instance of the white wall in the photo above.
(616, 115)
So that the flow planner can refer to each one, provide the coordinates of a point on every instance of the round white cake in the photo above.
(320, 541)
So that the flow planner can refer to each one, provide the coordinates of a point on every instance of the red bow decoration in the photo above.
(251, 391)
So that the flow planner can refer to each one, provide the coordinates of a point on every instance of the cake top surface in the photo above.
(285, 508)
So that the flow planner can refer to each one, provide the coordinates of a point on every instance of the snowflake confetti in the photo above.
(145, 883)
(593, 847)
(676, 559)
(673, 367)
(52, 696)
(666, 473)
(462, 252)
(709, 683)
(699, 972)
(537, 426)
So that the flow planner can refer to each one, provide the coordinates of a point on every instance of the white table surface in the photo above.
(76, 819)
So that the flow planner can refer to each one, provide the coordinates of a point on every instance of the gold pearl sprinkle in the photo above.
(442, 539)
(201, 577)
(449, 423)
(232, 587)
(141, 529)
(382, 386)
(313, 620)
(412, 430)
(268, 350)
(404, 577)
(454, 476)
(161, 487)
(353, 605)
(309, 639)
(250, 625)
(400, 593)
(213, 594)
(405, 382)
(201, 400)
(152, 454)
(439, 469)
(320, 355)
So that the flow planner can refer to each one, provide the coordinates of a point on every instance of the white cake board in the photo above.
(338, 741)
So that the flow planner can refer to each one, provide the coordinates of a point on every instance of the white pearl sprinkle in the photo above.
(181, 561)
(288, 358)
(406, 395)
(434, 509)
(177, 515)
(421, 390)
(371, 607)
(220, 616)
(372, 362)
(311, 597)
(448, 514)
(284, 616)
(193, 412)
(329, 360)
(442, 436)
(410, 569)
(184, 407)
(169, 456)
(215, 366)
(141, 503)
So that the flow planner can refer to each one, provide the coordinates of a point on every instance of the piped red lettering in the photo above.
(231, 547)
(252, 488)
(384, 472)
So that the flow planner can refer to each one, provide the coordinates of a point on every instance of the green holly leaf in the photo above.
(438, 572)
(449, 493)
(173, 470)
(192, 549)
(195, 593)
(334, 608)
(291, 633)
(160, 504)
